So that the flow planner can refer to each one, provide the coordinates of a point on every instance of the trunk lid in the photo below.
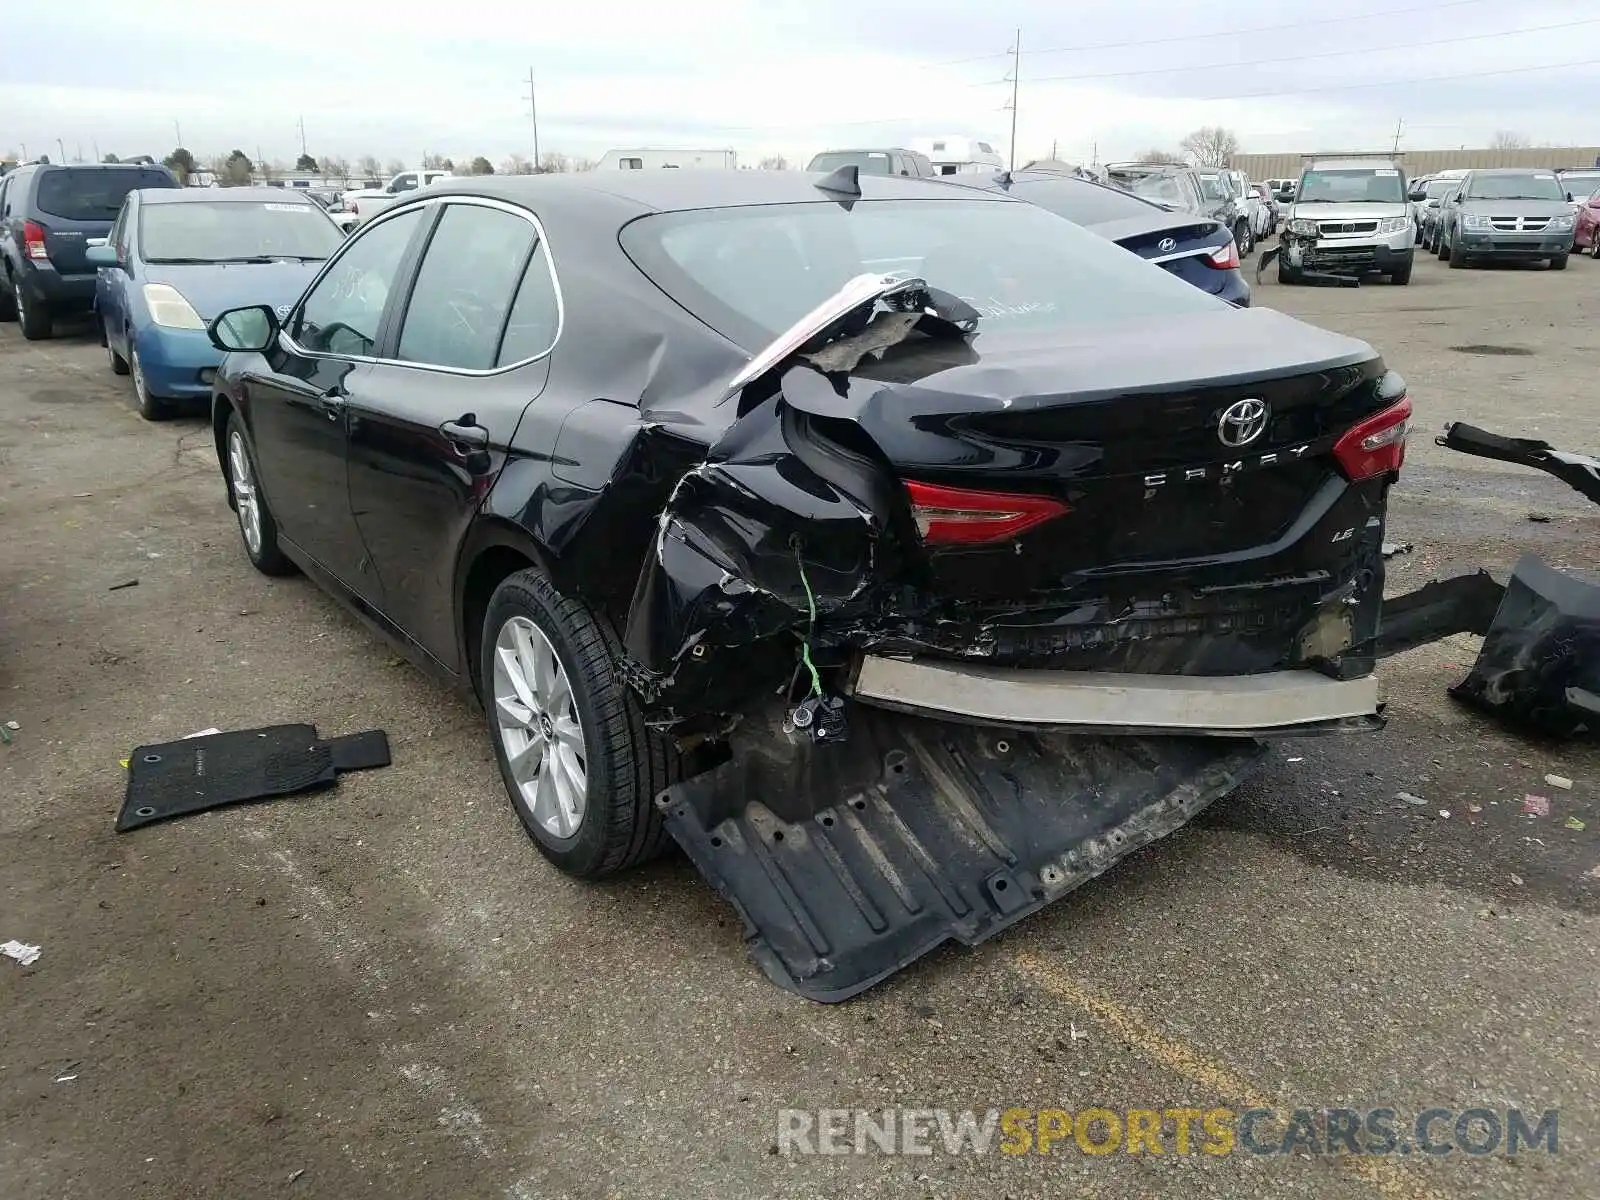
(1128, 434)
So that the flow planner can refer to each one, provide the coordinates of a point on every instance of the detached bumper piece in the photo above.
(174, 779)
(1273, 702)
(848, 862)
(1540, 663)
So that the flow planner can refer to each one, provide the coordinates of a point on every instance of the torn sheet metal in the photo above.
(1297, 252)
(848, 863)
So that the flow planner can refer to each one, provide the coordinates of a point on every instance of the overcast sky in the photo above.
(397, 79)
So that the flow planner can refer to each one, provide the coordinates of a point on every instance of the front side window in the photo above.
(751, 272)
(465, 288)
(233, 231)
(342, 312)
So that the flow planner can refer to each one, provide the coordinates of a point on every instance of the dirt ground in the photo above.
(382, 990)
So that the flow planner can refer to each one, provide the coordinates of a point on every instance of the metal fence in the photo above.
(1425, 162)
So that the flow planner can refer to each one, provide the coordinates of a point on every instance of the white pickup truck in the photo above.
(368, 204)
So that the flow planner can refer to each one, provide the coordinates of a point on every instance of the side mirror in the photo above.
(246, 329)
(1569, 197)
(101, 255)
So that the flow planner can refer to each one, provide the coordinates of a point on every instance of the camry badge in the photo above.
(1242, 422)
(1167, 245)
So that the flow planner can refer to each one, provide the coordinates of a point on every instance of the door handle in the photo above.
(332, 401)
(466, 432)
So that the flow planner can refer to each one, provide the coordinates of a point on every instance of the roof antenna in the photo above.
(845, 181)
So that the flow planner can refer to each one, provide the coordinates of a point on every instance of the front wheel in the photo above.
(151, 408)
(1444, 247)
(580, 765)
(1401, 277)
(1594, 245)
(1558, 262)
(1241, 235)
(256, 527)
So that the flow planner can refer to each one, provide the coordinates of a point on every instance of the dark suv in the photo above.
(48, 215)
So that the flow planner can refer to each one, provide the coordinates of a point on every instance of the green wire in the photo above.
(805, 646)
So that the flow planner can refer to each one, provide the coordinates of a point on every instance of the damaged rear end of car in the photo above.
(1001, 558)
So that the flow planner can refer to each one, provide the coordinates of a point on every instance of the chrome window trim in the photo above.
(294, 347)
(1203, 252)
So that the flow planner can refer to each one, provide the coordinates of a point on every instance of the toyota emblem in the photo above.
(1167, 245)
(1242, 422)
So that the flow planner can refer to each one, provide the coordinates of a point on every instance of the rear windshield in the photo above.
(870, 162)
(1354, 186)
(87, 194)
(751, 272)
(1440, 187)
(1085, 203)
(234, 231)
(1535, 185)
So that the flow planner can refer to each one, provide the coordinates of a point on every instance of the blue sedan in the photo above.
(177, 257)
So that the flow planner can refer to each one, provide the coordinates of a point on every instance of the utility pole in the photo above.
(80, 152)
(179, 131)
(96, 143)
(63, 150)
(1016, 78)
(302, 135)
(1398, 126)
(533, 112)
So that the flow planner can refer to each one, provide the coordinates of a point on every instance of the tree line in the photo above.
(237, 168)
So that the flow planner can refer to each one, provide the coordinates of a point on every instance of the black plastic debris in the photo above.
(847, 862)
(174, 779)
(1540, 663)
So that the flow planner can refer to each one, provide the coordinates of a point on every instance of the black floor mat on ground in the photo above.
(173, 779)
(847, 862)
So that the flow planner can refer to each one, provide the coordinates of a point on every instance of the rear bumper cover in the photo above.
(1273, 702)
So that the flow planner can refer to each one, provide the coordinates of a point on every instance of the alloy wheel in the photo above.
(539, 727)
(245, 500)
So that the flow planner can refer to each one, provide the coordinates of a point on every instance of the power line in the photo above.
(1277, 91)
(1283, 58)
(1195, 37)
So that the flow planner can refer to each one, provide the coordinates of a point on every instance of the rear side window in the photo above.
(465, 287)
(88, 194)
(536, 316)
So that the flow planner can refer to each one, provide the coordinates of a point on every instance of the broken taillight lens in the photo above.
(1224, 258)
(1376, 445)
(957, 517)
(33, 241)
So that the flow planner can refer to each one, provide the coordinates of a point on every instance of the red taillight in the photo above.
(957, 517)
(33, 240)
(1224, 258)
(1376, 445)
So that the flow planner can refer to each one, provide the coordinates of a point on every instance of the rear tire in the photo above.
(1558, 262)
(37, 321)
(257, 530)
(8, 299)
(119, 365)
(583, 732)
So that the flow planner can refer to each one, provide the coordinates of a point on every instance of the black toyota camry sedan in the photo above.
(1191, 246)
(635, 455)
